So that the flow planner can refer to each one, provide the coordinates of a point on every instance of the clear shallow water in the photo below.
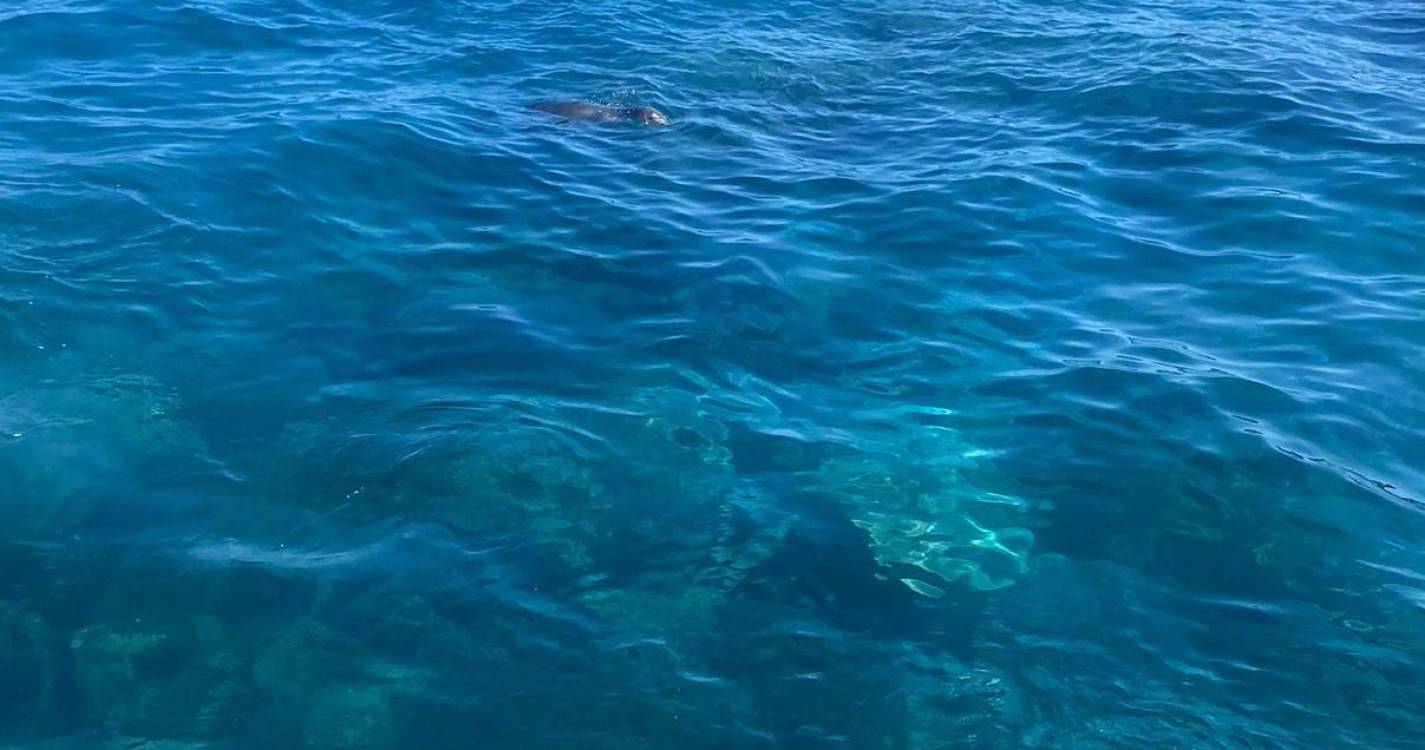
(982, 375)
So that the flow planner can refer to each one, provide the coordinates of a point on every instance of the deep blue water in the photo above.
(984, 375)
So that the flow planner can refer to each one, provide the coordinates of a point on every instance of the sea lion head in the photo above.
(647, 116)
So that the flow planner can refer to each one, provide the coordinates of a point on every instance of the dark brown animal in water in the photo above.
(587, 112)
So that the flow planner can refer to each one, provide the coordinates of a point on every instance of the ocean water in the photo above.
(985, 374)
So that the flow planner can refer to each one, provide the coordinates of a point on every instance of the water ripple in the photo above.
(1031, 374)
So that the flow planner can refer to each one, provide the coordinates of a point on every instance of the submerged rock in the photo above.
(157, 678)
(678, 615)
(125, 428)
(527, 485)
(952, 705)
(328, 690)
(26, 664)
(351, 718)
(931, 535)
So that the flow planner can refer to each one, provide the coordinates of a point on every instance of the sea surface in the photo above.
(982, 374)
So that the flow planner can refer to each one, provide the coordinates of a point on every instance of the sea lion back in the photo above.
(588, 112)
(576, 110)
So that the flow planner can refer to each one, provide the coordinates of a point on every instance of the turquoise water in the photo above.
(990, 375)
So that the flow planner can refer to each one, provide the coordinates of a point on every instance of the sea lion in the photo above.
(602, 113)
